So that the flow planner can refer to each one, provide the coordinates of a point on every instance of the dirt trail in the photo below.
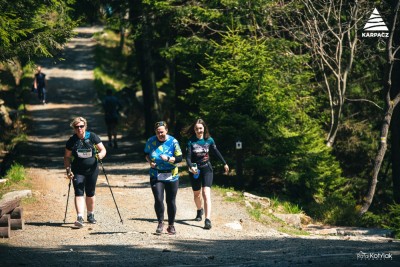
(48, 241)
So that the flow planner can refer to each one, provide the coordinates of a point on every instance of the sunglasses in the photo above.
(160, 123)
(79, 126)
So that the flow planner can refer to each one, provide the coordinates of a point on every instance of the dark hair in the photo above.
(160, 123)
(189, 130)
(109, 92)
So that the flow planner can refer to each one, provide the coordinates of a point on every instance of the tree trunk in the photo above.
(121, 39)
(143, 47)
(395, 128)
(378, 160)
(392, 98)
(337, 111)
(395, 149)
(121, 32)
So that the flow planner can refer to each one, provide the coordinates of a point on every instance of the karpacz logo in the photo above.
(375, 26)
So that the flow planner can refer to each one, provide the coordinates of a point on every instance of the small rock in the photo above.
(291, 219)
(248, 204)
(229, 194)
(234, 225)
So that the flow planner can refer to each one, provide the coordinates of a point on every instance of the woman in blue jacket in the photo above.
(162, 152)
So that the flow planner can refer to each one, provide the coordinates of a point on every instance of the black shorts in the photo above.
(205, 178)
(85, 183)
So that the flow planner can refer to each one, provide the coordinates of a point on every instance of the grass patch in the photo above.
(284, 206)
(230, 194)
(292, 231)
(15, 177)
(291, 208)
(107, 80)
(21, 138)
(16, 173)
(256, 213)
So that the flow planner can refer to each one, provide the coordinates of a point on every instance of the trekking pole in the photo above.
(66, 208)
(101, 162)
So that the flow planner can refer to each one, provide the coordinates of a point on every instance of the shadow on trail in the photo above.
(186, 222)
(63, 87)
(107, 233)
(125, 186)
(151, 220)
(50, 224)
(76, 57)
(124, 171)
(251, 252)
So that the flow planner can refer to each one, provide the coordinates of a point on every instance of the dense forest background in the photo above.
(313, 103)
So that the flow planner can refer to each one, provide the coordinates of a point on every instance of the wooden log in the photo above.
(12, 200)
(17, 213)
(5, 228)
(17, 224)
(17, 221)
(5, 220)
(8, 204)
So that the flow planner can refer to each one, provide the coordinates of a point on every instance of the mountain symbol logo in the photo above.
(375, 22)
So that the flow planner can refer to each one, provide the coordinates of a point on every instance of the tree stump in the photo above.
(17, 221)
(5, 226)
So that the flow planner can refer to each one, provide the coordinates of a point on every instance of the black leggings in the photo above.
(171, 189)
(85, 183)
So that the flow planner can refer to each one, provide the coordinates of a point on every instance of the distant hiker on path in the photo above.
(83, 170)
(198, 160)
(40, 84)
(163, 152)
(111, 107)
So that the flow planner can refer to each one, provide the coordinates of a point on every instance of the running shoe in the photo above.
(199, 214)
(91, 219)
(79, 222)
(160, 228)
(207, 224)
(171, 230)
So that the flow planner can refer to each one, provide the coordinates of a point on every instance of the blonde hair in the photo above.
(78, 120)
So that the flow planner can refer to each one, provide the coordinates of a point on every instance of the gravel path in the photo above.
(47, 241)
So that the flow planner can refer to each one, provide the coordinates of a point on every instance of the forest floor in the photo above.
(48, 241)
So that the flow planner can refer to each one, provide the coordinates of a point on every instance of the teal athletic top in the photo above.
(198, 151)
(164, 171)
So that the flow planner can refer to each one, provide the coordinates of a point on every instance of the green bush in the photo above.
(15, 174)
(393, 219)
(370, 219)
